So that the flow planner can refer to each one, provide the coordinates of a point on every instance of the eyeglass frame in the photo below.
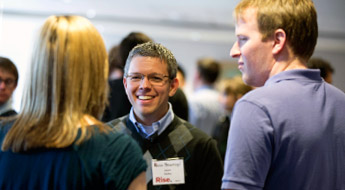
(8, 82)
(142, 76)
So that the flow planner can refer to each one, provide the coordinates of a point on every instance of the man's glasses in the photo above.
(8, 82)
(155, 79)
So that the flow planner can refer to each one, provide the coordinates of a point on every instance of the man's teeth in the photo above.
(145, 97)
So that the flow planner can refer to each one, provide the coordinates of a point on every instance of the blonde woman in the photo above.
(56, 141)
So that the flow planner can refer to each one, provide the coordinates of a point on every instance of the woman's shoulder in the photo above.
(110, 141)
(5, 126)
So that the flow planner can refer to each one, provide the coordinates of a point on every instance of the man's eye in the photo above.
(156, 78)
(136, 77)
(242, 38)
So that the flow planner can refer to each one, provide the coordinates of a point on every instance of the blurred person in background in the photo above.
(230, 91)
(115, 68)
(181, 76)
(203, 103)
(118, 101)
(8, 83)
(57, 141)
(179, 99)
(325, 67)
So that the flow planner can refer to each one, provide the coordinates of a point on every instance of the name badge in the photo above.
(168, 172)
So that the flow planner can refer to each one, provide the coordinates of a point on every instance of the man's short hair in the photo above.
(298, 18)
(8, 66)
(208, 69)
(155, 50)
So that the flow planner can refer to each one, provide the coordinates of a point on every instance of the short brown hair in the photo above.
(298, 18)
(208, 69)
(8, 66)
(152, 49)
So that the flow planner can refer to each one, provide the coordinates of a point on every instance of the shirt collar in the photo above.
(7, 106)
(305, 74)
(158, 126)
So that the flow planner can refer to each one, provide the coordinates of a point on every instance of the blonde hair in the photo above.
(298, 18)
(234, 86)
(67, 86)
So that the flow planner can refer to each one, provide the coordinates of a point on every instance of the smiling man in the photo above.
(189, 156)
(289, 133)
(8, 83)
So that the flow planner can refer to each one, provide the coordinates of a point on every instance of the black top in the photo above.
(180, 104)
(8, 113)
(220, 134)
(119, 104)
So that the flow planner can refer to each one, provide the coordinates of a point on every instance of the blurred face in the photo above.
(146, 91)
(255, 58)
(227, 101)
(180, 78)
(329, 77)
(115, 74)
(7, 86)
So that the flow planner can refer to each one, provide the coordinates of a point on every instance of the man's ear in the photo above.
(173, 87)
(124, 80)
(279, 41)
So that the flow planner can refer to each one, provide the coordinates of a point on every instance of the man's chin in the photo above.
(3, 100)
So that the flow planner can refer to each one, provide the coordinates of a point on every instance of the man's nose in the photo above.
(235, 50)
(2, 85)
(145, 82)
